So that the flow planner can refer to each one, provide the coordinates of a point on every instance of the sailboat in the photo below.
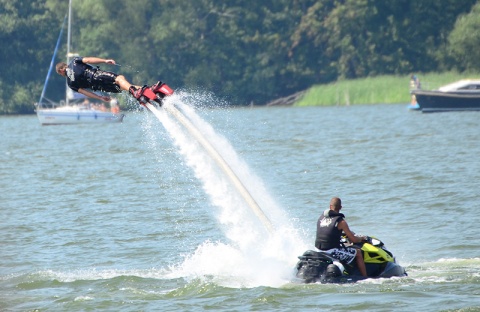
(75, 108)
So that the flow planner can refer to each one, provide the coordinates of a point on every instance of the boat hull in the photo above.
(438, 101)
(62, 117)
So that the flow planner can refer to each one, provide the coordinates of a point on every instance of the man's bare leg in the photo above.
(361, 263)
(123, 83)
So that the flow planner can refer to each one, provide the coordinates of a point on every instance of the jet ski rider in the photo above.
(329, 232)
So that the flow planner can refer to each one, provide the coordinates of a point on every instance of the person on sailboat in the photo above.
(81, 76)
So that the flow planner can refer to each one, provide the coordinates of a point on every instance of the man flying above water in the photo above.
(82, 76)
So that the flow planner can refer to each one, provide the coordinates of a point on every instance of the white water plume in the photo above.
(255, 255)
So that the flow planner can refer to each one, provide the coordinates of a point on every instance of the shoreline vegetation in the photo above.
(375, 90)
(388, 89)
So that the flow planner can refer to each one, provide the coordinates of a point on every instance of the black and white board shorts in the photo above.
(105, 81)
(345, 255)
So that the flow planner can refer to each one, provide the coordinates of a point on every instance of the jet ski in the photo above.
(320, 267)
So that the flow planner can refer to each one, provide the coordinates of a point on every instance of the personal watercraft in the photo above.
(320, 267)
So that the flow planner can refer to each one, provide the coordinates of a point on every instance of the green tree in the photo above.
(464, 41)
(427, 27)
(359, 38)
(26, 50)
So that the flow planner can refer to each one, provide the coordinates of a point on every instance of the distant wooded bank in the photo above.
(247, 52)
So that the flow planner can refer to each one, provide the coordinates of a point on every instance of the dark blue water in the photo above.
(136, 216)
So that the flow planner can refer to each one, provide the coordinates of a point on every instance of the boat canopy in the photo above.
(465, 84)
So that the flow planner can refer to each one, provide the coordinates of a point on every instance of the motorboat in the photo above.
(462, 95)
(316, 266)
(75, 108)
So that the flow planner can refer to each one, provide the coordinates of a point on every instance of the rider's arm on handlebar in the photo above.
(342, 225)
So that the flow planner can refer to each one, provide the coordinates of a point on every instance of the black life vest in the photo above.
(79, 74)
(328, 234)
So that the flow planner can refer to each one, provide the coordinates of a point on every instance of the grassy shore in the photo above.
(376, 90)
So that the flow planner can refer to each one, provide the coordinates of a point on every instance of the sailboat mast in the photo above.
(40, 105)
(68, 44)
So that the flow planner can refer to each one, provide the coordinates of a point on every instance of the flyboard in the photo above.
(150, 102)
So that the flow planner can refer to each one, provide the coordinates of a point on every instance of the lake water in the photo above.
(137, 217)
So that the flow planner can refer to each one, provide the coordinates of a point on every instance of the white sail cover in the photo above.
(72, 95)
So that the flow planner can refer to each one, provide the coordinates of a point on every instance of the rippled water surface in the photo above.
(136, 216)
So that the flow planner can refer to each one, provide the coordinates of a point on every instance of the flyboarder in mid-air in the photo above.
(82, 76)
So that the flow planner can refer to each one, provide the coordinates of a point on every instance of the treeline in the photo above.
(243, 51)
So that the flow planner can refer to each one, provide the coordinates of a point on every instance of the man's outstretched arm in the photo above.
(97, 60)
(94, 95)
